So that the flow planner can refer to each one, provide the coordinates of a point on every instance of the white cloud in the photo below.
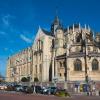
(24, 38)
(5, 49)
(6, 19)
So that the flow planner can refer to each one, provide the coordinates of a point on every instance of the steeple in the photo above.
(56, 23)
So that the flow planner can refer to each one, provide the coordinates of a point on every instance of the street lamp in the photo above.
(67, 46)
(85, 59)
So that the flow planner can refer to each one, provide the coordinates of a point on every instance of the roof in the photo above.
(56, 20)
(47, 33)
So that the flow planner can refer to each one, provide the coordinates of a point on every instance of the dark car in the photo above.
(36, 89)
(24, 88)
(44, 90)
(18, 88)
(28, 90)
(49, 90)
(53, 90)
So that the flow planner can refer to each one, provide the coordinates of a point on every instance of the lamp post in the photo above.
(67, 46)
(85, 58)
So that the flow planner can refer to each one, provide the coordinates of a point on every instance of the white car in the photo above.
(3, 87)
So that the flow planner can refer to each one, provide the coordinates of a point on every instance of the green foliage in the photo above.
(36, 79)
(25, 79)
(62, 93)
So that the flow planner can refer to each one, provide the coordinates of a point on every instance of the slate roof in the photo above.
(47, 33)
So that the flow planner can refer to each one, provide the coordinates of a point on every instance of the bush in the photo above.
(36, 79)
(67, 94)
(25, 79)
(62, 93)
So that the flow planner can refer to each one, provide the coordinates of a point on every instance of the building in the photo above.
(42, 55)
(19, 65)
(63, 54)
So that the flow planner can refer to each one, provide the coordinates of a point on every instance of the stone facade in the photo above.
(19, 65)
(70, 54)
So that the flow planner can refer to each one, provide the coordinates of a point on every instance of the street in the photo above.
(21, 96)
(27, 97)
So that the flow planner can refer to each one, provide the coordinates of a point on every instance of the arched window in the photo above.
(77, 65)
(95, 64)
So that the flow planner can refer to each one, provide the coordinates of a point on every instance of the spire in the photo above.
(68, 29)
(88, 28)
(93, 35)
(85, 27)
(73, 27)
(79, 27)
(56, 24)
(56, 21)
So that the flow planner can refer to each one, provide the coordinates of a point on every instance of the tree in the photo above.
(36, 79)
(25, 79)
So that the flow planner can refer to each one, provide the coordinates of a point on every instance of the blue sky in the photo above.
(20, 19)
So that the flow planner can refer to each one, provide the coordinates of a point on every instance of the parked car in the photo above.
(49, 90)
(28, 89)
(53, 90)
(18, 88)
(44, 90)
(37, 89)
(3, 86)
(24, 88)
(10, 88)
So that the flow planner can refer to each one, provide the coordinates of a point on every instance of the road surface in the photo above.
(21, 96)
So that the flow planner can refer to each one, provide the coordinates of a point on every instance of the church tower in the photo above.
(59, 41)
(56, 23)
